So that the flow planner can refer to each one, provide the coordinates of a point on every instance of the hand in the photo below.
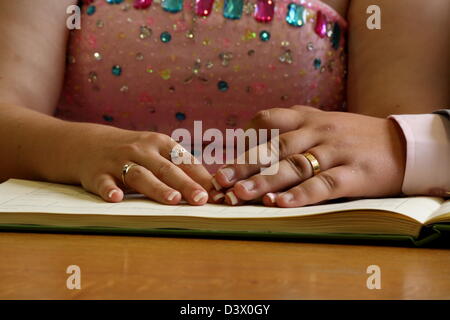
(359, 156)
(104, 151)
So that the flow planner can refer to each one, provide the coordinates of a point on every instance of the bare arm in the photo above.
(35, 145)
(32, 51)
(404, 67)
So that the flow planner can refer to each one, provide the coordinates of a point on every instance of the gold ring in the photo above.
(313, 161)
(125, 169)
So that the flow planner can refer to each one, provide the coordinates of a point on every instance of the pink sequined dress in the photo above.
(160, 65)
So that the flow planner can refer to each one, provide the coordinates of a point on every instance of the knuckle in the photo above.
(263, 117)
(298, 163)
(329, 181)
(129, 149)
(283, 145)
(164, 170)
(135, 173)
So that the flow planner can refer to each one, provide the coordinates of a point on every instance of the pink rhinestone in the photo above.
(321, 25)
(264, 10)
(203, 7)
(142, 4)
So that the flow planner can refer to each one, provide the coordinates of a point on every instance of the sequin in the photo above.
(285, 43)
(142, 4)
(264, 10)
(286, 57)
(92, 77)
(165, 37)
(108, 118)
(97, 56)
(222, 85)
(165, 74)
(172, 6)
(117, 70)
(209, 65)
(317, 63)
(144, 32)
(251, 52)
(180, 116)
(310, 46)
(249, 35)
(203, 7)
(249, 8)
(100, 24)
(225, 57)
(336, 37)
(139, 56)
(91, 10)
(114, 1)
(190, 34)
(172, 89)
(233, 9)
(264, 35)
(296, 15)
(321, 25)
(124, 88)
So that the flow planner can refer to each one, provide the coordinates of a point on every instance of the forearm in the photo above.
(37, 146)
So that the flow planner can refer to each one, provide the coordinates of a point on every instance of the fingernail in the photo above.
(271, 197)
(287, 196)
(248, 185)
(216, 185)
(228, 173)
(218, 196)
(111, 193)
(232, 197)
(172, 195)
(199, 195)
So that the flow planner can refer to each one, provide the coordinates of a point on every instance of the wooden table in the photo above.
(33, 266)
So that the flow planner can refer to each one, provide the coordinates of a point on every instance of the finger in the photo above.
(289, 172)
(105, 186)
(277, 118)
(269, 199)
(231, 199)
(176, 178)
(145, 182)
(331, 184)
(216, 197)
(293, 142)
(189, 164)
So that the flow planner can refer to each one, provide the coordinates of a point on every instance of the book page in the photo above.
(442, 214)
(42, 197)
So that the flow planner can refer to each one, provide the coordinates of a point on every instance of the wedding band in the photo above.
(125, 169)
(313, 161)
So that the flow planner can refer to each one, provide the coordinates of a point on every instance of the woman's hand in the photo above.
(103, 151)
(359, 156)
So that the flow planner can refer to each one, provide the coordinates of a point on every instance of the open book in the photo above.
(44, 206)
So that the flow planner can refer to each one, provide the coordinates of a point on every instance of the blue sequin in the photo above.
(114, 1)
(232, 9)
(173, 6)
(317, 63)
(180, 116)
(264, 35)
(296, 15)
(336, 37)
(108, 118)
(116, 70)
(91, 10)
(165, 37)
(222, 85)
